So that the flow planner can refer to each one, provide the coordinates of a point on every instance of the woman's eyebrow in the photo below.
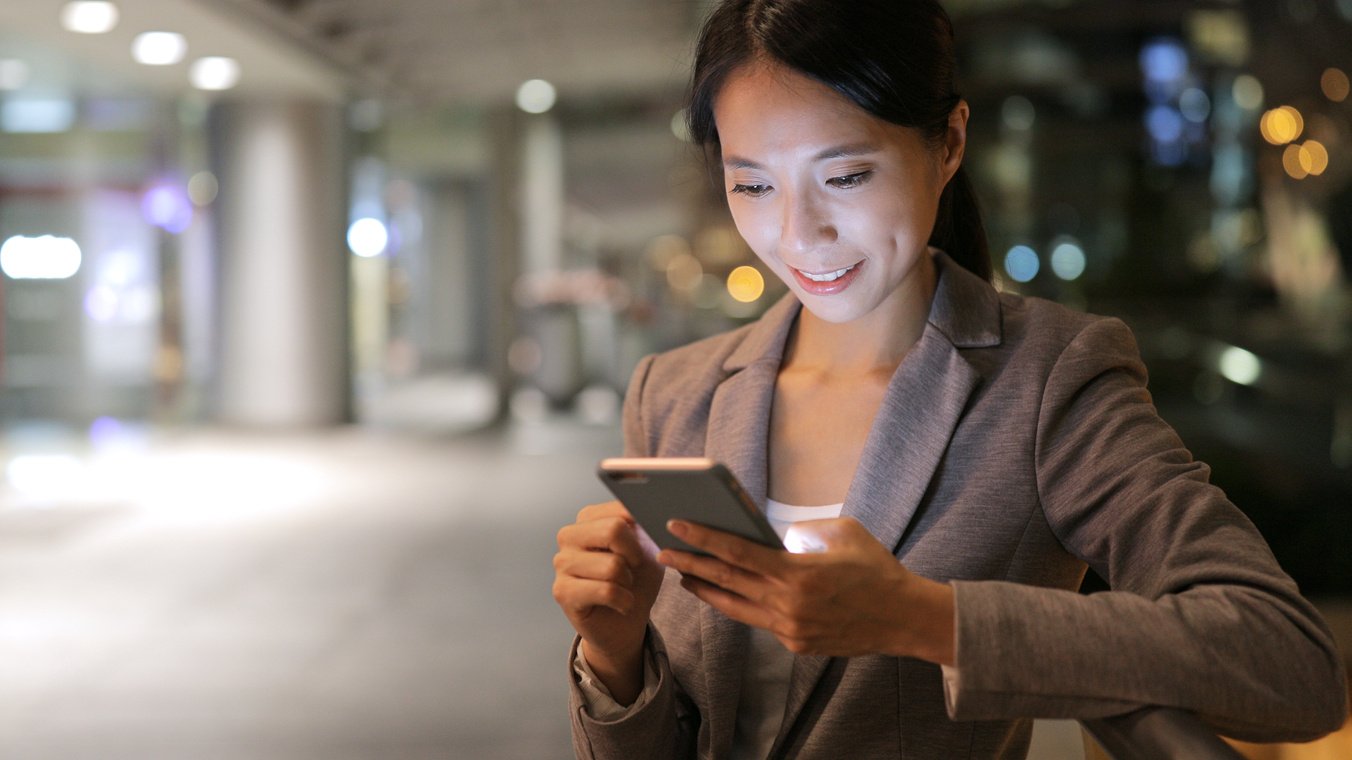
(846, 151)
(838, 151)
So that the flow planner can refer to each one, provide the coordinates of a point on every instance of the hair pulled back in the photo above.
(892, 58)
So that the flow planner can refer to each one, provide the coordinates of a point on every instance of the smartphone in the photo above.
(697, 490)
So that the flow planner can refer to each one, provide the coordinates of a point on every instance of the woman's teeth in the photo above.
(829, 276)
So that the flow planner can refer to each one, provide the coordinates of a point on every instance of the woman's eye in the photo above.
(850, 180)
(754, 191)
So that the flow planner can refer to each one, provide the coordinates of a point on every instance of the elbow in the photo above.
(1335, 711)
(1311, 701)
(1323, 708)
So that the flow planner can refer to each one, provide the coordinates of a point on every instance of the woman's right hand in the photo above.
(606, 584)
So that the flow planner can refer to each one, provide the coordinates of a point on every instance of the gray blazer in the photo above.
(1015, 443)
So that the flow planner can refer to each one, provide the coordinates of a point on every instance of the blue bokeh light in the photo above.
(1022, 263)
(168, 207)
(1164, 60)
(1164, 124)
(1068, 260)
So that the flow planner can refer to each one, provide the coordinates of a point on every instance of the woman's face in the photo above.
(838, 203)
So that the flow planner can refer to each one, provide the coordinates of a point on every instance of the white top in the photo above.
(765, 678)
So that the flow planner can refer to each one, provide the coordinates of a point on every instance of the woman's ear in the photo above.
(955, 140)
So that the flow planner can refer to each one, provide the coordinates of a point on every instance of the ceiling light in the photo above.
(214, 73)
(89, 16)
(159, 48)
(535, 96)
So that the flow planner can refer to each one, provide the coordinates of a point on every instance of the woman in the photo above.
(970, 451)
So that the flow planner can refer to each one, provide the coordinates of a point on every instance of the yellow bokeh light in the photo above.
(1296, 161)
(1281, 125)
(1335, 85)
(745, 284)
(1316, 155)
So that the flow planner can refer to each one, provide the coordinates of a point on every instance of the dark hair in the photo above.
(892, 58)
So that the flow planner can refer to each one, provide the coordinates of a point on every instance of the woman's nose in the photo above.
(805, 224)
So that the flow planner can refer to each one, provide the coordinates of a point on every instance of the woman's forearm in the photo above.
(621, 673)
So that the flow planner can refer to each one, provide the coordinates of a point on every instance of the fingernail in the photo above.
(677, 528)
(664, 558)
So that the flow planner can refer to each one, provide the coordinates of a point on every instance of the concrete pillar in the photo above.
(282, 264)
(505, 241)
(450, 283)
(542, 195)
(555, 328)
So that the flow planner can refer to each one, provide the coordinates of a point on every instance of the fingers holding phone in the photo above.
(604, 580)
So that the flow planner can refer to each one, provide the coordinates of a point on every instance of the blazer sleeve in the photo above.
(662, 728)
(1200, 615)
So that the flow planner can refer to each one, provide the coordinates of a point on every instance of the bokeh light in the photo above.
(1022, 263)
(684, 272)
(1164, 124)
(1164, 60)
(214, 73)
(40, 258)
(663, 248)
(159, 48)
(1295, 165)
(1335, 85)
(89, 16)
(1068, 260)
(1247, 92)
(167, 206)
(367, 237)
(1314, 157)
(1195, 105)
(535, 96)
(745, 284)
(202, 188)
(1240, 366)
(1306, 160)
(1281, 125)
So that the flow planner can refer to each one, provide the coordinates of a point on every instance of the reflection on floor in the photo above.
(348, 594)
(343, 595)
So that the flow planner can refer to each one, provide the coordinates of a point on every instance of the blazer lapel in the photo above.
(920, 409)
(922, 406)
(737, 436)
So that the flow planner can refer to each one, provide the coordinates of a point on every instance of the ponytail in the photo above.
(958, 230)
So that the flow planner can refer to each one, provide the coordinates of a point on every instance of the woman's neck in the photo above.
(876, 342)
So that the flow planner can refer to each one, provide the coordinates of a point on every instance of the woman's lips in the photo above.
(827, 287)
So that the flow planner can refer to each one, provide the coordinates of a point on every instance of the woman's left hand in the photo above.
(851, 598)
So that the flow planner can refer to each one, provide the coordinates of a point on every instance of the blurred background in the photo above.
(315, 317)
